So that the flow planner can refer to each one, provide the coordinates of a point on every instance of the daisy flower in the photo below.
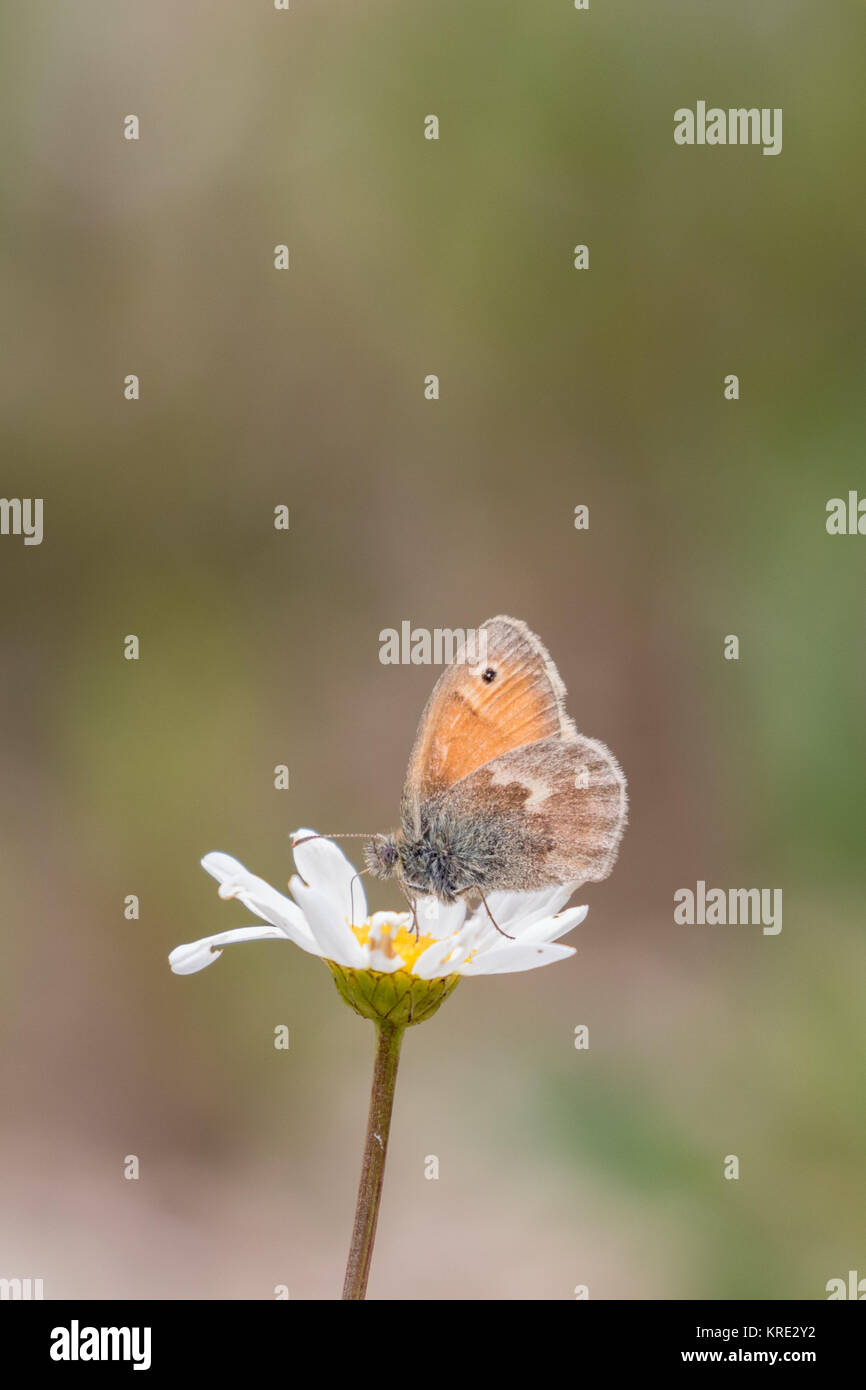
(329, 918)
(384, 968)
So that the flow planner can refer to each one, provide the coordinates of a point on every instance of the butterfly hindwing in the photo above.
(551, 812)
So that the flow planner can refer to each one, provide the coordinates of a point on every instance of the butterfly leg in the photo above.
(411, 901)
(477, 890)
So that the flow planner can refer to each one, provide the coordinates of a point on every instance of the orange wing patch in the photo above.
(476, 713)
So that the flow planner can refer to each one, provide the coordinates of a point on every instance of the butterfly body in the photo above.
(452, 854)
(502, 792)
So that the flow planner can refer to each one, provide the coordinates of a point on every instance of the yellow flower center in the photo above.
(394, 940)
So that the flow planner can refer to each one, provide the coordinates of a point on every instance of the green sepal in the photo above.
(400, 999)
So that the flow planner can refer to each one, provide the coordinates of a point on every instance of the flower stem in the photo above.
(388, 1042)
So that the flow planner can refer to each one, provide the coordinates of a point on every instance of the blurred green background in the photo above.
(557, 1167)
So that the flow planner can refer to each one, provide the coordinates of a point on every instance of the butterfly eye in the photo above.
(488, 675)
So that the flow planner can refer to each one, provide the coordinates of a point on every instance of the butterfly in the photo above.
(502, 792)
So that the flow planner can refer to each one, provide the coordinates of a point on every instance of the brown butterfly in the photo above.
(502, 792)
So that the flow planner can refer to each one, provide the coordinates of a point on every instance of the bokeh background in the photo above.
(557, 1167)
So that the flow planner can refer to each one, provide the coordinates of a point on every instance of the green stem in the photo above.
(388, 1043)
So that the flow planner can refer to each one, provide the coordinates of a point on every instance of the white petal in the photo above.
(440, 919)
(324, 866)
(236, 881)
(431, 962)
(504, 959)
(195, 955)
(334, 937)
(390, 919)
(448, 956)
(375, 955)
(552, 928)
(376, 959)
(516, 912)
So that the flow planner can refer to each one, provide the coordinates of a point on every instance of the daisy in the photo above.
(388, 969)
(329, 918)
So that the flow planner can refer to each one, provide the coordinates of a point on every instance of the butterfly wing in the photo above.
(552, 812)
(472, 717)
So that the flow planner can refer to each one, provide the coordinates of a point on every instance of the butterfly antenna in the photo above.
(490, 915)
(342, 835)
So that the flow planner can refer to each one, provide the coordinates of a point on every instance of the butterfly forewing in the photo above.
(477, 712)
